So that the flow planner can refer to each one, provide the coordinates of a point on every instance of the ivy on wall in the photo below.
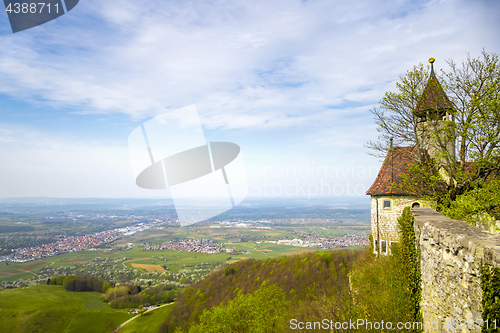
(490, 284)
(410, 256)
(370, 238)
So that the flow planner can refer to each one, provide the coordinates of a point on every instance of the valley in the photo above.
(161, 254)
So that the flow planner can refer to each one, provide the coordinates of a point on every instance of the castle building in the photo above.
(435, 140)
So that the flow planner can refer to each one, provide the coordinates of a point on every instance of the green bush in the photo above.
(490, 284)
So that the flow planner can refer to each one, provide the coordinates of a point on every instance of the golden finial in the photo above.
(431, 60)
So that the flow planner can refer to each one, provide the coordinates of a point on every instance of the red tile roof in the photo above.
(396, 163)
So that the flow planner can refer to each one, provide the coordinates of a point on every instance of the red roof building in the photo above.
(388, 198)
(396, 163)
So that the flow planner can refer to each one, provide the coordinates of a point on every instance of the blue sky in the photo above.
(291, 82)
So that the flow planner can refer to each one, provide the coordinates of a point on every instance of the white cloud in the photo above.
(308, 71)
(145, 56)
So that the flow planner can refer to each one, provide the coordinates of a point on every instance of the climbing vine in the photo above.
(370, 238)
(490, 284)
(410, 257)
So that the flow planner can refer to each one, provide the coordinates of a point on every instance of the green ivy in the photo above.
(410, 256)
(370, 238)
(490, 284)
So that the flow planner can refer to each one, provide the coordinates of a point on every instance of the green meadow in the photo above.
(45, 308)
(149, 322)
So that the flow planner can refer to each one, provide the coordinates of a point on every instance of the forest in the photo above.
(269, 295)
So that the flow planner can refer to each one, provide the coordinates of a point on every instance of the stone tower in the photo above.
(435, 132)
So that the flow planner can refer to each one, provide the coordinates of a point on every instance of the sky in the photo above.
(291, 82)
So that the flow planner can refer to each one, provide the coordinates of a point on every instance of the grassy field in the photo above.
(149, 322)
(13, 271)
(52, 309)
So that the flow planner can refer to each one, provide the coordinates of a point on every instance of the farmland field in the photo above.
(150, 268)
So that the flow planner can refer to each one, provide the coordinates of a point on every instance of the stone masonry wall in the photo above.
(388, 218)
(451, 255)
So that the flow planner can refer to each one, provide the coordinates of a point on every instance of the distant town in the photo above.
(203, 245)
(74, 243)
(42, 230)
(326, 242)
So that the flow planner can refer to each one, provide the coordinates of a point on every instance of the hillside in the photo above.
(47, 308)
(269, 295)
(307, 287)
(307, 278)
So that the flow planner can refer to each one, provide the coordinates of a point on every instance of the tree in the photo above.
(480, 205)
(473, 89)
(394, 116)
(69, 283)
(262, 311)
(141, 310)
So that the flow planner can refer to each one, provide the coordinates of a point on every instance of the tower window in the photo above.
(387, 204)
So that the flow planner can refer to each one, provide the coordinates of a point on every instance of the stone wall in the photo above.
(451, 255)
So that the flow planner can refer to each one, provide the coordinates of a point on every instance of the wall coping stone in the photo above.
(457, 234)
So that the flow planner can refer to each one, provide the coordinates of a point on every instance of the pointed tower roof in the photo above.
(433, 98)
